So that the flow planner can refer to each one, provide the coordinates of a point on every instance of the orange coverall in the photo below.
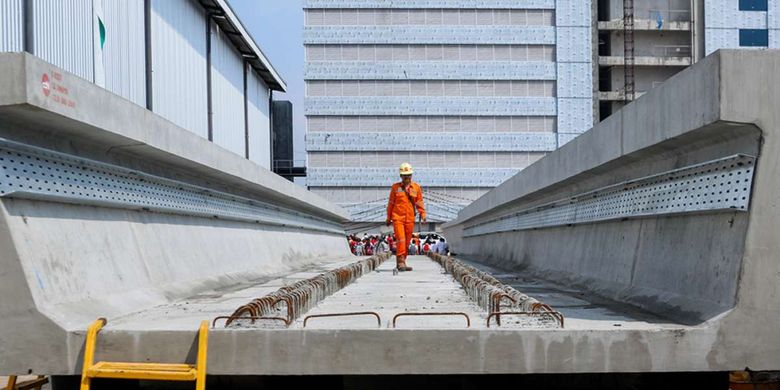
(401, 211)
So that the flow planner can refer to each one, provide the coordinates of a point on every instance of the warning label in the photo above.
(45, 84)
(53, 88)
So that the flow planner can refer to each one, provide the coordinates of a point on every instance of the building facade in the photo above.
(741, 24)
(468, 92)
(192, 62)
(670, 35)
(661, 44)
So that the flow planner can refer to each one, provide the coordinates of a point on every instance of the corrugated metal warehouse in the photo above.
(190, 61)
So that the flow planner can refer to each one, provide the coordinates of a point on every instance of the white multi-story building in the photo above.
(468, 92)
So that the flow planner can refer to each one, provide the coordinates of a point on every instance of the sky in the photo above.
(277, 27)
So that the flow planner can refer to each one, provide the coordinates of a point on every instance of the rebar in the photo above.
(355, 313)
(449, 313)
(294, 300)
(489, 293)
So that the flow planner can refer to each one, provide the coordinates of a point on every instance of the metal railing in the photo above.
(672, 50)
(670, 15)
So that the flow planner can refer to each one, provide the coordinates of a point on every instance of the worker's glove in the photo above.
(388, 222)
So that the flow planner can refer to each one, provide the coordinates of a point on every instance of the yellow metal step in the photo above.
(144, 371)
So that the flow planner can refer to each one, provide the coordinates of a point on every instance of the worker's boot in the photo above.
(400, 263)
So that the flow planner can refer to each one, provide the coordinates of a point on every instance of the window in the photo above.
(752, 5)
(751, 37)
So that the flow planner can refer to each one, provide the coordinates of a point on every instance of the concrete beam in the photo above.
(82, 116)
(715, 272)
(65, 262)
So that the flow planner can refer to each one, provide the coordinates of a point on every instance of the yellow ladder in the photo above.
(28, 385)
(144, 371)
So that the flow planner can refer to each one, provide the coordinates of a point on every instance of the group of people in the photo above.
(430, 243)
(367, 245)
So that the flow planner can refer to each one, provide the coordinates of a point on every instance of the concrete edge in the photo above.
(138, 131)
(578, 157)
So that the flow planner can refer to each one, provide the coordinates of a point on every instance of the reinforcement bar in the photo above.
(489, 293)
(301, 296)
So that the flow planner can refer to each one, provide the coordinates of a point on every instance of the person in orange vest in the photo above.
(406, 200)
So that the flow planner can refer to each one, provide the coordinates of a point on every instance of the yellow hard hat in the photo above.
(406, 169)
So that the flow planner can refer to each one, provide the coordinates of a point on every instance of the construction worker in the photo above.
(406, 200)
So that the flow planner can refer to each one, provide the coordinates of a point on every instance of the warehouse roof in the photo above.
(227, 20)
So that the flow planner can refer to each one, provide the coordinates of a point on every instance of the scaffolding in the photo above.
(628, 50)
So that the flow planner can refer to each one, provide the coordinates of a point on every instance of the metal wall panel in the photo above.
(564, 138)
(726, 14)
(179, 64)
(574, 53)
(392, 105)
(774, 38)
(375, 177)
(424, 34)
(573, 13)
(574, 44)
(720, 38)
(426, 141)
(11, 26)
(124, 50)
(63, 35)
(470, 88)
(468, 4)
(426, 70)
(773, 15)
(227, 89)
(259, 121)
(575, 115)
(575, 79)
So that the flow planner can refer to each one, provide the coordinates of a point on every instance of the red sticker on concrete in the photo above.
(45, 84)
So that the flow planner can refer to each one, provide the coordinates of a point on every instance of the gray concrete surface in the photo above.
(425, 289)
(717, 272)
(64, 265)
(696, 292)
(355, 345)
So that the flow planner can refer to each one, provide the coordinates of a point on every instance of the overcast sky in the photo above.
(277, 27)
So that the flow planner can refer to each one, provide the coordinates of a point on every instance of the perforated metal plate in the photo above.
(380, 177)
(33, 173)
(393, 105)
(484, 35)
(429, 70)
(402, 4)
(719, 185)
(426, 141)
